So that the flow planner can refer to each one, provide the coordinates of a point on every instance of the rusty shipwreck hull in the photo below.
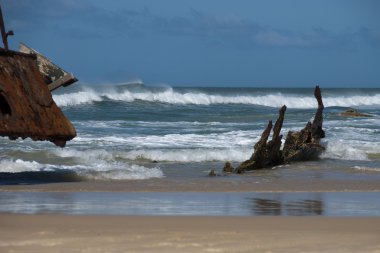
(27, 108)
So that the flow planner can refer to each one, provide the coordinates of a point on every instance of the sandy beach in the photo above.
(50, 229)
(60, 233)
(241, 126)
(206, 184)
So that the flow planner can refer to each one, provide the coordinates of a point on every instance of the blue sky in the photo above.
(298, 43)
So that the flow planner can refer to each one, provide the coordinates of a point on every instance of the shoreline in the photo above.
(78, 233)
(218, 184)
(211, 204)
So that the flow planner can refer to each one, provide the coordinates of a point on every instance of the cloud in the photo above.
(84, 20)
(274, 38)
(47, 8)
(33, 16)
(370, 36)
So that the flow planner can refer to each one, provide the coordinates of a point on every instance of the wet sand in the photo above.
(127, 233)
(332, 204)
(61, 233)
(213, 184)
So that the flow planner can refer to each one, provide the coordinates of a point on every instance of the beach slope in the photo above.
(64, 233)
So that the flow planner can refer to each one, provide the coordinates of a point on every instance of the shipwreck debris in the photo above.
(305, 145)
(354, 113)
(212, 173)
(54, 76)
(267, 154)
(228, 168)
(4, 33)
(27, 108)
(299, 146)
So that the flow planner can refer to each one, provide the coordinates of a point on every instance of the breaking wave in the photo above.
(350, 150)
(102, 170)
(364, 168)
(159, 155)
(343, 151)
(182, 97)
(207, 152)
(77, 98)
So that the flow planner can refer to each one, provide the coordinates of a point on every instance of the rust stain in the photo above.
(26, 105)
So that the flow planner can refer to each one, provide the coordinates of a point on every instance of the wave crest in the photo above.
(181, 97)
(100, 169)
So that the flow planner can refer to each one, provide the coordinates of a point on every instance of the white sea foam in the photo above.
(97, 169)
(191, 151)
(106, 157)
(87, 96)
(354, 139)
(349, 149)
(364, 168)
(189, 155)
(233, 145)
(95, 156)
(18, 165)
(232, 139)
(171, 96)
(130, 172)
(101, 164)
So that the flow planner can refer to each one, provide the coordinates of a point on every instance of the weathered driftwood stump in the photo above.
(305, 145)
(299, 146)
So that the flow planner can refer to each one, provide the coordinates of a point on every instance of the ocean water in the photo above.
(134, 131)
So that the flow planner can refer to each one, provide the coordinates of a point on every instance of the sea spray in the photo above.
(178, 96)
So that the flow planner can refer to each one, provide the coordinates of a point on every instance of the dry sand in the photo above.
(63, 233)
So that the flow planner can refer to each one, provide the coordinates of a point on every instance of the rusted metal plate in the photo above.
(53, 75)
(26, 105)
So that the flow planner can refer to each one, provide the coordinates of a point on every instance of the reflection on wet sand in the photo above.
(266, 207)
(262, 206)
(193, 203)
(305, 207)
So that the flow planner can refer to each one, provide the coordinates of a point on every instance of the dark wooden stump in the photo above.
(299, 146)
